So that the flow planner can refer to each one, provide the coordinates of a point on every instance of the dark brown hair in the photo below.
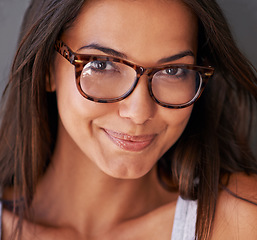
(216, 140)
(214, 144)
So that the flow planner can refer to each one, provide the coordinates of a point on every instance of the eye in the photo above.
(100, 68)
(174, 71)
(173, 74)
(101, 65)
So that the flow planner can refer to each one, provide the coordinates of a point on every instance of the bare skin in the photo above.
(92, 189)
(234, 219)
(115, 219)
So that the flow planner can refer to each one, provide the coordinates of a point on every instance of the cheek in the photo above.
(180, 119)
(72, 106)
(176, 121)
(76, 110)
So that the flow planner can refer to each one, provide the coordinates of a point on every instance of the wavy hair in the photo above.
(214, 144)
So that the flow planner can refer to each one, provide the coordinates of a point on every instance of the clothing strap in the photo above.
(184, 220)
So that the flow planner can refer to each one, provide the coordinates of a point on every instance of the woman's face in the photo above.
(124, 139)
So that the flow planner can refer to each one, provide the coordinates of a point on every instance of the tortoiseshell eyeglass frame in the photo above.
(80, 60)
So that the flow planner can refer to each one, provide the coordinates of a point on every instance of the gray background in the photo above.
(241, 14)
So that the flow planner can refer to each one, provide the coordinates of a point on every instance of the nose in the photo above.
(139, 107)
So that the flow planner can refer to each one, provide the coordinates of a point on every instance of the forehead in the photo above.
(144, 26)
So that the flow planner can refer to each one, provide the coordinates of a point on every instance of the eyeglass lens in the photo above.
(108, 80)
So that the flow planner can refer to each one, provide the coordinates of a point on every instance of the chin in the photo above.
(122, 171)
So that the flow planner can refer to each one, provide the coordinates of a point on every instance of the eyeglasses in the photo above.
(106, 79)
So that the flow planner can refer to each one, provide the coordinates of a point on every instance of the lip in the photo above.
(129, 142)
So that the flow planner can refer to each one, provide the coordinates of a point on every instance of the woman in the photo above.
(102, 136)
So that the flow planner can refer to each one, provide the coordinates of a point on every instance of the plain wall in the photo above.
(11, 14)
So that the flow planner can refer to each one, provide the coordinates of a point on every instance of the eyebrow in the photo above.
(118, 54)
(106, 50)
(177, 56)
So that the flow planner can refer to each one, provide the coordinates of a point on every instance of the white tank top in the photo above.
(184, 220)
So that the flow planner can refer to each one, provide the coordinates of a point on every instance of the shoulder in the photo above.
(32, 231)
(236, 217)
(156, 224)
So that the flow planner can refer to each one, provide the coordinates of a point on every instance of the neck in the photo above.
(74, 192)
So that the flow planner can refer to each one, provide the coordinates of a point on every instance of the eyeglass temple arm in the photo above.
(64, 50)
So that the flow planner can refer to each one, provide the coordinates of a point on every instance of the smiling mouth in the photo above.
(129, 142)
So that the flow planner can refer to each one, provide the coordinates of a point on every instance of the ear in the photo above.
(50, 81)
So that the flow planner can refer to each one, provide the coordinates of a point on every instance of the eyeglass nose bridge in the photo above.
(141, 71)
